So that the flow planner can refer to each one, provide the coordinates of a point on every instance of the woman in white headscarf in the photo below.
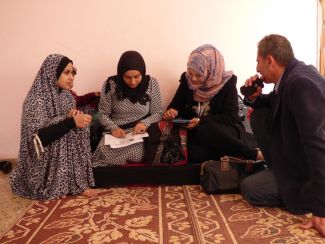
(54, 155)
(207, 96)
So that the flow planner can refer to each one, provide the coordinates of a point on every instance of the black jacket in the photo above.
(223, 106)
(298, 138)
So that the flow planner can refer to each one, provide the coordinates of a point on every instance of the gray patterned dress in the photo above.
(115, 112)
(64, 166)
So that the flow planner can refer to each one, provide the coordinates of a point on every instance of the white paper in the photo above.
(129, 139)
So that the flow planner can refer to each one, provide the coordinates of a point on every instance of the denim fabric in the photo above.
(261, 189)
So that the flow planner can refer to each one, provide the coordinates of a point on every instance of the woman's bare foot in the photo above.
(89, 192)
(60, 197)
(259, 155)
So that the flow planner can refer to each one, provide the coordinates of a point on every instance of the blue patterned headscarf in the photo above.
(207, 61)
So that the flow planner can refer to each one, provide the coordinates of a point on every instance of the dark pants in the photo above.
(211, 141)
(261, 188)
(261, 124)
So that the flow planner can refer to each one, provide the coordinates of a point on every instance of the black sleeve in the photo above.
(224, 105)
(86, 99)
(230, 107)
(51, 133)
(263, 100)
(180, 97)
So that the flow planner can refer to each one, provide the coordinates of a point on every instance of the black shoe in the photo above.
(5, 166)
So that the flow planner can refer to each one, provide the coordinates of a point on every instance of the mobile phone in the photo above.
(181, 121)
(249, 90)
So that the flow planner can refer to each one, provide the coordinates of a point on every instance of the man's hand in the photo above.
(316, 222)
(82, 120)
(170, 114)
(249, 82)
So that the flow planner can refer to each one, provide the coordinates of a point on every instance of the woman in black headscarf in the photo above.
(130, 102)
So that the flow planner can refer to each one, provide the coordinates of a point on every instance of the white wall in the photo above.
(95, 33)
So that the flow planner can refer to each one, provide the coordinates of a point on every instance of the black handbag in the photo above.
(166, 144)
(224, 176)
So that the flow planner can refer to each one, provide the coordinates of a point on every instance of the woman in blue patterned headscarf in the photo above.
(208, 62)
(54, 155)
(207, 96)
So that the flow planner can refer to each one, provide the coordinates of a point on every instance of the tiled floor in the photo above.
(11, 206)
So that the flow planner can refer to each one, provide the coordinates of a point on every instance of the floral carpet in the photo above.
(163, 214)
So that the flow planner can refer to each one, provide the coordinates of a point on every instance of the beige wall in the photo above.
(95, 33)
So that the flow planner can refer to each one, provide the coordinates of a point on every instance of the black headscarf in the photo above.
(132, 60)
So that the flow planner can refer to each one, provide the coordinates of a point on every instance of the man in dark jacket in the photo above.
(289, 125)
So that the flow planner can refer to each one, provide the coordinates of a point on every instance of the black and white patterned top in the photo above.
(64, 166)
(115, 112)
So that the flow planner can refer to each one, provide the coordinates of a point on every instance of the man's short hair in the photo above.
(278, 47)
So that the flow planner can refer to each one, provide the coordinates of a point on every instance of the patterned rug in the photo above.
(165, 214)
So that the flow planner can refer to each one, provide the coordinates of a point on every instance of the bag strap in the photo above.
(225, 162)
(236, 160)
(202, 167)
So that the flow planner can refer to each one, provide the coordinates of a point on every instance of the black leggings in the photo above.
(211, 141)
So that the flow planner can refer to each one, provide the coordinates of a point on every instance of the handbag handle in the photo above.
(225, 162)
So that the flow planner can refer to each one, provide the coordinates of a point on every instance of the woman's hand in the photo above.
(170, 114)
(139, 128)
(118, 133)
(82, 120)
(193, 123)
(74, 112)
